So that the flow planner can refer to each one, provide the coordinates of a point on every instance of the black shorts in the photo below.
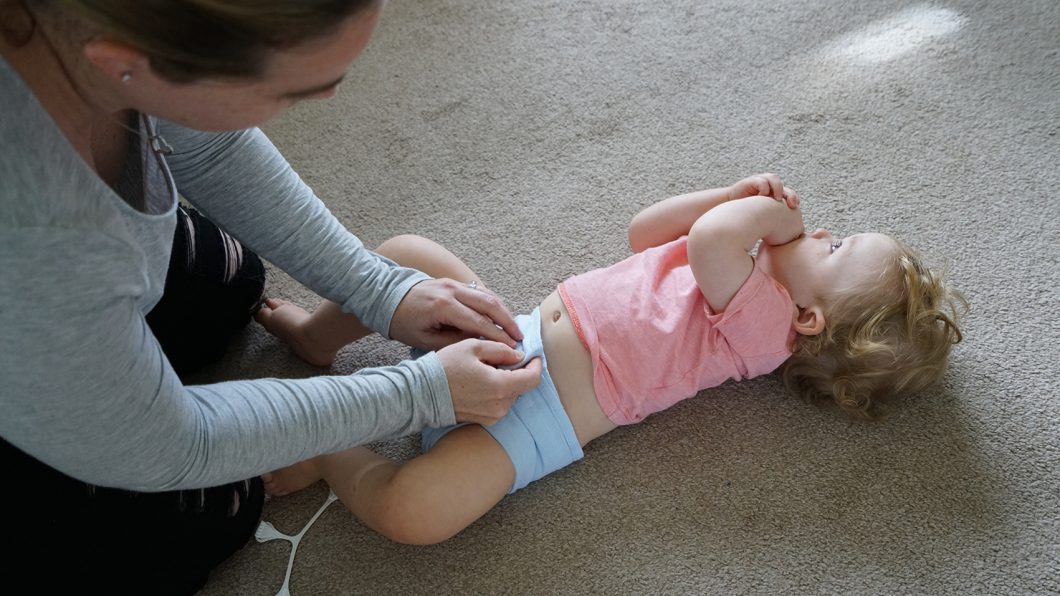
(102, 540)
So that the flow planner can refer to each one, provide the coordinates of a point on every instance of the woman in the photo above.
(105, 104)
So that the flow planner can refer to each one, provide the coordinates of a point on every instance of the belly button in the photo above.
(556, 316)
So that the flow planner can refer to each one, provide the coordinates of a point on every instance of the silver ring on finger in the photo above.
(472, 284)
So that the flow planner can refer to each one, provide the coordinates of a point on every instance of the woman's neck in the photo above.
(60, 80)
(64, 91)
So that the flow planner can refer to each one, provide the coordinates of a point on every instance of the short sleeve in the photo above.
(757, 324)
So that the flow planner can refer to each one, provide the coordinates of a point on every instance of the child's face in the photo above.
(816, 267)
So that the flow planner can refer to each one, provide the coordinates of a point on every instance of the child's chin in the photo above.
(770, 257)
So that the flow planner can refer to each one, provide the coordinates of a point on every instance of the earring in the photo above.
(126, 77)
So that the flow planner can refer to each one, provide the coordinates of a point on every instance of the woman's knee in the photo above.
(213, 287)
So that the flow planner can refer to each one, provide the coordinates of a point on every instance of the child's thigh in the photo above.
(467, 467)
(436, 495)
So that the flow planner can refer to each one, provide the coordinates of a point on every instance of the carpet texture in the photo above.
(525, 135)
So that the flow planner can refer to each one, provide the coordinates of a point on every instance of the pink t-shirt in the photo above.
(655, 341)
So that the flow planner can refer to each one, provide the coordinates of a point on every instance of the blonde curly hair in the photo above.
(880, 340)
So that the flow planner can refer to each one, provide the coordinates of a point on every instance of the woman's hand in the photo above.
(766, 185)
(482, 392)
(438, 312)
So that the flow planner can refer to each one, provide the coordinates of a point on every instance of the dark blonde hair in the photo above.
(880, 340)
(188, 40)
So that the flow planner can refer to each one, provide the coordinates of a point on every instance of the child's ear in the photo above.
(809, 320)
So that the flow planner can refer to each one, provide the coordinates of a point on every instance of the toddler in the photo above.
(852, 320)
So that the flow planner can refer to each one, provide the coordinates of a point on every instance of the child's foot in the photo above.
(290, 323)
(292, 478)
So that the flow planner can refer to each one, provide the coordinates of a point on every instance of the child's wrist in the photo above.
(787, 225)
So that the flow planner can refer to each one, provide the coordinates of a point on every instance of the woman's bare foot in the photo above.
(293, 478)
(290, 323)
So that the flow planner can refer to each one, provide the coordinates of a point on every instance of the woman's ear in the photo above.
(118, 61)
(16, 23)
(809, 320)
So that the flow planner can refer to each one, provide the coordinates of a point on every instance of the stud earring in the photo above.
(126, 77)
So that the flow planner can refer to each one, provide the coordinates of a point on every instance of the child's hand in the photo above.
(766, 185)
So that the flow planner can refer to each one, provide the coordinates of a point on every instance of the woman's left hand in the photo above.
(438, 312)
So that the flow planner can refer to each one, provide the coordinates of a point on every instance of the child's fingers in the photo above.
(768, 185)
(791, 197)
(761, 184)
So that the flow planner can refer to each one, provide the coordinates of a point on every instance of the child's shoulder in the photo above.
(760, 292)
(758, 319)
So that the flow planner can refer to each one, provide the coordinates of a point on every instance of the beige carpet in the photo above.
(524, 135)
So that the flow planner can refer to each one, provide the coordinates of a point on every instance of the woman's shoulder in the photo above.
(45, 182)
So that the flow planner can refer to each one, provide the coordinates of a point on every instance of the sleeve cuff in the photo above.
(438, 388)
(380, 322)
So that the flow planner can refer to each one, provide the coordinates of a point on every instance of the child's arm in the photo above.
(720, 241)
(668, 220)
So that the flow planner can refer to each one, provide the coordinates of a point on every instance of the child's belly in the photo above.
(572, 370)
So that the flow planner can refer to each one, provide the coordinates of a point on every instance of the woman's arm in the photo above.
(672, 218)
(242, 183)
(720, 241)
(87, 390)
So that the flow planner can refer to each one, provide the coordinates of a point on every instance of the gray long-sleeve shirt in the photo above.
(84, 385)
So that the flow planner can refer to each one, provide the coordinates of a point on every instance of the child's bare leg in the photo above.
(314, 338)
(318, 337)
(294, 477)
(431, 497)
(427, 256)
(423, 501)
(297, 476)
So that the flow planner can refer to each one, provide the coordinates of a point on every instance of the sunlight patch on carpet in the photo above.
(900, 34)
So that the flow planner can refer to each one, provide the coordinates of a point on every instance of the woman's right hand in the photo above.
(482, 392)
